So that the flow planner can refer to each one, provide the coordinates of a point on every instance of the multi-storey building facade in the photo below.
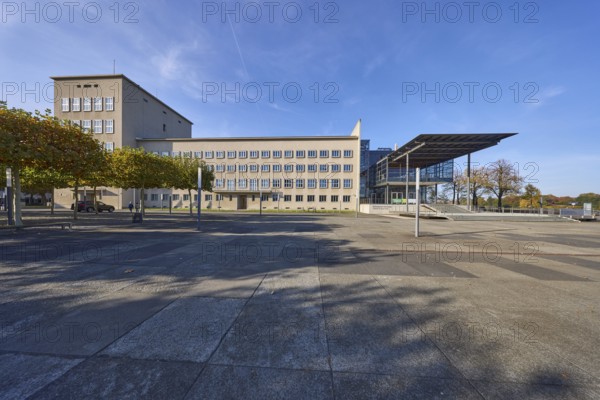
(285, 173)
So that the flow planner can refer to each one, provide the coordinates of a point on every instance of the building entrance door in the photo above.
(242, 202)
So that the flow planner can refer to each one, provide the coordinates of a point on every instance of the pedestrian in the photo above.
(137, 206)
(130, 207)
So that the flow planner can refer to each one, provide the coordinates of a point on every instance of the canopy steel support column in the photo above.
(469, 181)
(407, 159)
(418, 200)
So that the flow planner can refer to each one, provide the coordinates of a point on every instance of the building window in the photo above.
(310, 198)
(299, 198)
(219, 197)
(322, 198)
(198, 154)
(300, 168)
(276, 167)
(231, 154)
(253, 184)
(323, 184)
(336, 153)
(207, 197)
(243, 154)
(275, 197)
(97, 103)
(288, 183)
(97, 126)
(299, 153)
(220, 168)
(76, 105)
(231, 168)
(219, 183)
(87, 125)
(230, 184)
(335, 183)
(348, 153)
(287, 198)
(254, 154)
(253, 167)
(335, 199)
(220, 154)
(65, 104)
(109, 104)
(186, 197)
(265, 154)
(289, 154)
(109, 126)
(288, 167)
(312, 167)
(265, 197)
(243, 168)
(312, 154)
(300, 183)
(176, 154)
(145, 196)
(76, 122)
(175, 197)
(109, 146)
(336, 168)
(324, 168)
(347, 183)
(324, 153)
(154, 197)
(208, 154)
(87, 104)
(195, 197)
(312, 183)
(276, 183)
(264, 183)
(165, 197)
(346, 199)
(276, 153)
(243, 183)
(347, 167)
(265, 168)
(166, 154)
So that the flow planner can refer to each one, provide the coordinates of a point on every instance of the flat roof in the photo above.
(431, 149)
(249, 138)
(117, 76)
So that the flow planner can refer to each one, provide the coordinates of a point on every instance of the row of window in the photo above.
(100, 126)
(253, 184)
(265, 197)
(260, 154)
(96, 103)
(280, 168)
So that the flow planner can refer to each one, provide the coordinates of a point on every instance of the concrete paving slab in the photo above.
(112, 378)
(371, 386)
(22, 375)
(189, 329)
(509, 391)
(269, 334)
(218, 382)
(377, 338)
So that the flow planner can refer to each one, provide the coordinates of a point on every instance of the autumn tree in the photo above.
(502, 178)
(136, 169)
(43, 180)
(457, 187)
(185, 176)
(531, 195)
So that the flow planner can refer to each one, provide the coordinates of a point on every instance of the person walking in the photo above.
(130, 207)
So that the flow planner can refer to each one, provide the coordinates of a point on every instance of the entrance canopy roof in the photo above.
(430, 149)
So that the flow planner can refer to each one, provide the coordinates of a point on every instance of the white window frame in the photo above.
(335, 183)
(312, 184)
(288, 183)
(324, 154)
(243, 183)
(76, 104)
(265, 183)
(109, 146)
(347, 167)
(98, 104)
(276, 153)
(231, 154)
(289, 154)
(87, 104)
(254, 154)
(220, 154)
(312, 154)
(109, 104)
(347, 183)
(323, 184)
(98, 124)
(109, 126)
(65, 104)
(348, 153)
(336, 153)
(243, 154)
(265, 154)
(299, 183)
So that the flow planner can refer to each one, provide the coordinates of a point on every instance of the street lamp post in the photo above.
(199, 190)
(9, 196)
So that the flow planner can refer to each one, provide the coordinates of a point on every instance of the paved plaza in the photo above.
(299, 306)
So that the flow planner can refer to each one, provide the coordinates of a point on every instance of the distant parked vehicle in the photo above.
(88, 206)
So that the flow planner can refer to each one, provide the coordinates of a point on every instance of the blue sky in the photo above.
(400, 68)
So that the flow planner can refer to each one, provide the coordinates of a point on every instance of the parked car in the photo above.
(89, 206)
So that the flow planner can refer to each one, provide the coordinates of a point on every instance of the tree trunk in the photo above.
(474, 202)
(95, 202)
(52, 202)
(142, 204)
(75, 202)
(454, 193)
(17, 198)
(191, 203)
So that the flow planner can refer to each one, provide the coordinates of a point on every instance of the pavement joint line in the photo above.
(224, 336)
(267, 367)
(423, 332)
(103, 348)
(44, 354)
